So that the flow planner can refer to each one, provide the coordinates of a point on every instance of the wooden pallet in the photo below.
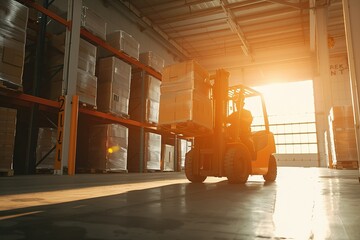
(11, 86)
(346, 165)
(186, 129)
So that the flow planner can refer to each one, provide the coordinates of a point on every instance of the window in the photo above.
(291, 113)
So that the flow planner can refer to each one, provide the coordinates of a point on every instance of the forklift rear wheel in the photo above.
(272, 170)
(237, 164)
(189, 169)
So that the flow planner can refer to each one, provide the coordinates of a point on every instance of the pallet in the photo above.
(6, 172)
(346, 165)
(10, 86)
(186, 129)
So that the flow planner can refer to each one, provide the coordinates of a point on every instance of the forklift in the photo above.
(218, 155)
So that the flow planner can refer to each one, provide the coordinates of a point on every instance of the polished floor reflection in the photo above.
(304, 203)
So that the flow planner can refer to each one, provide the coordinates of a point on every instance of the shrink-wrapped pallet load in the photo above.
(93, 22)
(108, 148)
(86, 82)
(168, 158)
(152, 60)
(13, 25)
(114, 79)
(342, 137)
(185, 102)
(144, 97)
(123, 42)
(45, 151)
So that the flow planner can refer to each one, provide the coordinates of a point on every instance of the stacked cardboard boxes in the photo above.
(150, 146)
(86, 83)
(124, 42)
(152, 151)
(168, 158)
(342, 137)
(93, 23)
(152, 60)
(108, 147)
(45, 151)
(185, 96)
(13, 24)
(144, 98)
(114, 79)
(7, 138)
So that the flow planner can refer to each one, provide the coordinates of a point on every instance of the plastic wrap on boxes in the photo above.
(92, 22)
(124, 42)
(151, 86)
(342, 135)
(46, 141)
(144, 104)
(152, 60)
(13, 25)
(187, 75)
(108, 147)
(13, 21)
(7, 137)
(87, 53)
(114, 79)
(168, 157)
(149, 110)
(12, 55)
(152, 151)
(86, 87)
(184, 106)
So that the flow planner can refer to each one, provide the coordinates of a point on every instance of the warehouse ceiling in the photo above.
(222, 29)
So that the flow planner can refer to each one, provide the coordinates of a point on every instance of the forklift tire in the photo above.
(237, 164)
(272, 170)
(189, 169)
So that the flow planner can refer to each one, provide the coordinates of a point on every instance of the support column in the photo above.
(71, 57)
(351, 10)
(323, 98)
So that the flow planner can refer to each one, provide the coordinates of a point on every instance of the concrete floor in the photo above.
(304, 203)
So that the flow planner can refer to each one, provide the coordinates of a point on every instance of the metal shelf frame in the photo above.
(27, 100)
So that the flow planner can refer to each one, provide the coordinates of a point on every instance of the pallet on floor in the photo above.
(346, 165)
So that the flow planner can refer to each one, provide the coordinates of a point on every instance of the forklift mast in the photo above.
(220, 100)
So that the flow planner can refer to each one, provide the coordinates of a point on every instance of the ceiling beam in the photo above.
(235, 28)
(286, 3)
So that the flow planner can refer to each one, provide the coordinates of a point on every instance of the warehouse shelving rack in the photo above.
(15, 98)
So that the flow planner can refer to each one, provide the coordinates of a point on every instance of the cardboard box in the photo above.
(47, 138)
(93, 22)
(149, 110)
(114, 79)
(184, 106)
(152, 152)
(13, 20)
(7, 137)
(151, 86)
(187, 75)
(108, 147)
(124, 42)
(152, 60)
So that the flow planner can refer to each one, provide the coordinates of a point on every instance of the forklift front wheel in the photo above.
(237, 164)
(192, 175)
